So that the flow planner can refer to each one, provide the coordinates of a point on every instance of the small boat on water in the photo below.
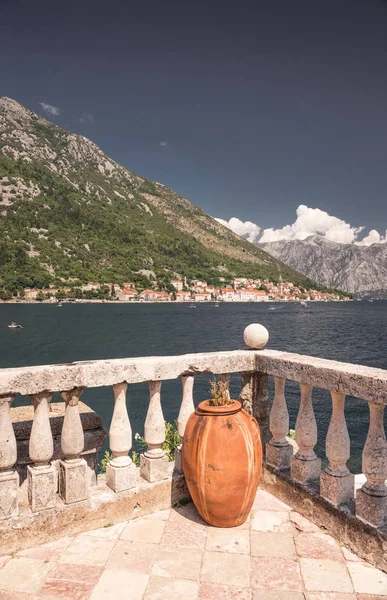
(303, 304)
(15, 325)
(216, 305)
(192, 306)
(60, 304)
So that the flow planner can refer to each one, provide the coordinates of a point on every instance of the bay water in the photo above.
(353, 332)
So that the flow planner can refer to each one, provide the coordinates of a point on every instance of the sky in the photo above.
(268, 114)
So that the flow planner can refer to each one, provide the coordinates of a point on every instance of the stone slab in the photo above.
(120, 479)
(279, 457)
(337, 490)
(371, 509)
(154, 469)
(42, 487)
(103, 508)
(9, 487)
(73, 481)
(305, 471)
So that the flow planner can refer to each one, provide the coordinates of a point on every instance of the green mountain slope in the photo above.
(69, 211)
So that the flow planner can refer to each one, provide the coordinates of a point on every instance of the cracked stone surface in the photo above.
(276, 555)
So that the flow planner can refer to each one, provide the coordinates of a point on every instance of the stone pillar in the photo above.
(186, 409)
(371, 499)
(278, 451)
(121, 473)
(225, 379)
(305, 466)
(255, 401)
(42, 475)
(73, 476)
(154, 462)
(337, 484)
(9, 478)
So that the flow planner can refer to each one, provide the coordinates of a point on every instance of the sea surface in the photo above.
(353, 332)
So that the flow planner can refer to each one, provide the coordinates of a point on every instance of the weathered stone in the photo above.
(305, 471)
(371, 509)
(179, 459)
(353, 380)
(279, 457)
(73, 480)
(154, 469)
(9, 485)
(23, 416)
(120, 479)
(42, 487)
(337, 490)
(254, 399)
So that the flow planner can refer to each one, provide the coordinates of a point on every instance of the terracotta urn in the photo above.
(222, 462)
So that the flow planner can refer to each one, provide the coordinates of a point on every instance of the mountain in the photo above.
(356, 269)
(68, 211)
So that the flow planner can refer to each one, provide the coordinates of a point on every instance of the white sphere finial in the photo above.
(256, 335)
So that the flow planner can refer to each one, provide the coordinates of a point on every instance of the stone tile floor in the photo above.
(173, 555)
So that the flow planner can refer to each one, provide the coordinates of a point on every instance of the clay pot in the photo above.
(222, 462)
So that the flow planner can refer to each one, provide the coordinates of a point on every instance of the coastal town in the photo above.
(240, 289)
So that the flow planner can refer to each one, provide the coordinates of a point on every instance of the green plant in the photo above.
(181, 502)
(107, 457)
(220, 395)
(172, 440)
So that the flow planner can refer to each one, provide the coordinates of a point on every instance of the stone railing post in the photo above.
(225, 379)
(371, 499)
(73, 474)
(154, 462)
(121, 473)
(254, 399)
(305, 466)
(278, 450)
(42, 477)
(9, 478)
(336, 482)
(186, 409)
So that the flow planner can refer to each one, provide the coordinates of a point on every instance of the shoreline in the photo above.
(173, 302)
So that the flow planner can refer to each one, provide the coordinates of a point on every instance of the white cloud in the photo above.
(49, 109)
(309, 221)
(86, 118)
(164, 144)
(246, 229)
(312, 221)
(373, 237)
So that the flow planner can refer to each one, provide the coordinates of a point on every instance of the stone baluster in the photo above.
(121, 473)
(225, 379)
(254, 399)
(73, 472)
(42, 477)
(278, 450)
(305, 466)
(9, 478)
(154, 462)
(186, 409)
(371, 499)
(336, 482)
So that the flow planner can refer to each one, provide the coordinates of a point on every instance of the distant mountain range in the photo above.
(68, 211)
(360, 270)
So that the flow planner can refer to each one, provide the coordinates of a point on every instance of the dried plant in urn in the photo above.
(222, 458)
(220, 396)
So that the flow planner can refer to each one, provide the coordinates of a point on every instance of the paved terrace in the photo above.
(174, 555)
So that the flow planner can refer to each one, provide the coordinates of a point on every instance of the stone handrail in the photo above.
(335, 483)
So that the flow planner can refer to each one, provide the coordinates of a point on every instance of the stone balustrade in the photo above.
(335, 483)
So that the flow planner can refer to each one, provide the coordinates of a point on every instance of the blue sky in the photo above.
(250, 109)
